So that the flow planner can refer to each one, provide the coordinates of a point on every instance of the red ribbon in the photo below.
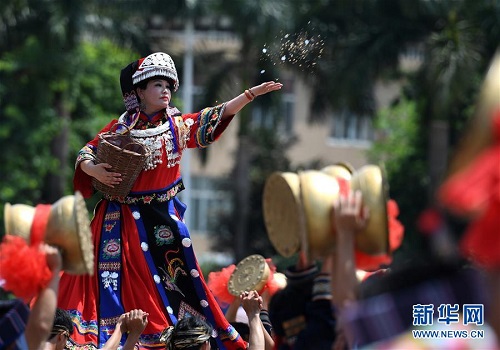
(39, 224)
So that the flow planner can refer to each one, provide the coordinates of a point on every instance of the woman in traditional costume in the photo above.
(144, 254)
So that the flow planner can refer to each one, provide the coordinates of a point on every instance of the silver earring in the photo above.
(143, 106)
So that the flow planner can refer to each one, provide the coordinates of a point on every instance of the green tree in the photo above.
(397, 146)
(41, 65)
(256, 23)
(29, 122)
(266, 155)
(364, 43)
(45, 84)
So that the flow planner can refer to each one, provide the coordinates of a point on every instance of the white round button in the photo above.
(186, 242)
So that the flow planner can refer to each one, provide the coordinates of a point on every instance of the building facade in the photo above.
(340, 137)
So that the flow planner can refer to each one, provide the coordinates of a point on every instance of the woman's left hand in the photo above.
(264, 88)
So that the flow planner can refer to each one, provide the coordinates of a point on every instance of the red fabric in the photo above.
(39, 224)
(161, 179)
(368, 262)
(217, 283)
(469, 192)
(82, 182)
(272, 285)
(82, 291)
(23, 267)
(475, 193)
(138, 292)
(133, 287)
(220, 318)
(368, 274)
(429, 221)
(138, 289)
(482, 239)
(344, 186)
(396, 229)
(222, 126)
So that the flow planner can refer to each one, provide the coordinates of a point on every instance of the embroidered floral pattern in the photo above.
(70, 345)
(187, 310)
(146, 199)
(108, 227)
(115, 215)
(110, 279)
(164, 235)
(229, 333)
(109, 266)
(109, 321)
(174, 269)
(111, 248)
(150, 340)
(158, 140)
(208, 119)
(130, 100)
(184, 130)
(82, 325)
(87, 152)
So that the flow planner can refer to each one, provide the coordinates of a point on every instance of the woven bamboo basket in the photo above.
(125, 155)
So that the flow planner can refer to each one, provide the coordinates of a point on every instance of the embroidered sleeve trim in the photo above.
(208, 119)
(87, 152)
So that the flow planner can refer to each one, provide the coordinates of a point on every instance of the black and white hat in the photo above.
(158, 64)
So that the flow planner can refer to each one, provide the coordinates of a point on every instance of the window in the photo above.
(288, 118)
(351, 127)
(207, 204)
(279, 117)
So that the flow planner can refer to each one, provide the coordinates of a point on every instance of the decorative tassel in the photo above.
(23, 268)
(272, 285)
(217, 283)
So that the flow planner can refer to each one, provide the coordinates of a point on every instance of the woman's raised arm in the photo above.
(236, 104)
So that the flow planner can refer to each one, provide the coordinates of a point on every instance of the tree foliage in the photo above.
(29, 121)
(365, 42)
(58, 82)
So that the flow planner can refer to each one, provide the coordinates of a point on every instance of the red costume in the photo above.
(144, 254)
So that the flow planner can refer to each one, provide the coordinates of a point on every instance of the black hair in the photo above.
(62, 321)
(191, 322)
(144, 83)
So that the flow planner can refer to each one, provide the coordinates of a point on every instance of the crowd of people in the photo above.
(148, 291)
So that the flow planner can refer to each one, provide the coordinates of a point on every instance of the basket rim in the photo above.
(106, 143)
(123, 160)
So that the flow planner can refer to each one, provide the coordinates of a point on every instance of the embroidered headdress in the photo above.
(157, 64)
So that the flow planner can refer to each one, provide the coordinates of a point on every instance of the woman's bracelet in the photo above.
(249, 95)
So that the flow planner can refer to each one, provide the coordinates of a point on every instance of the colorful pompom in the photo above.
(23, 268)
